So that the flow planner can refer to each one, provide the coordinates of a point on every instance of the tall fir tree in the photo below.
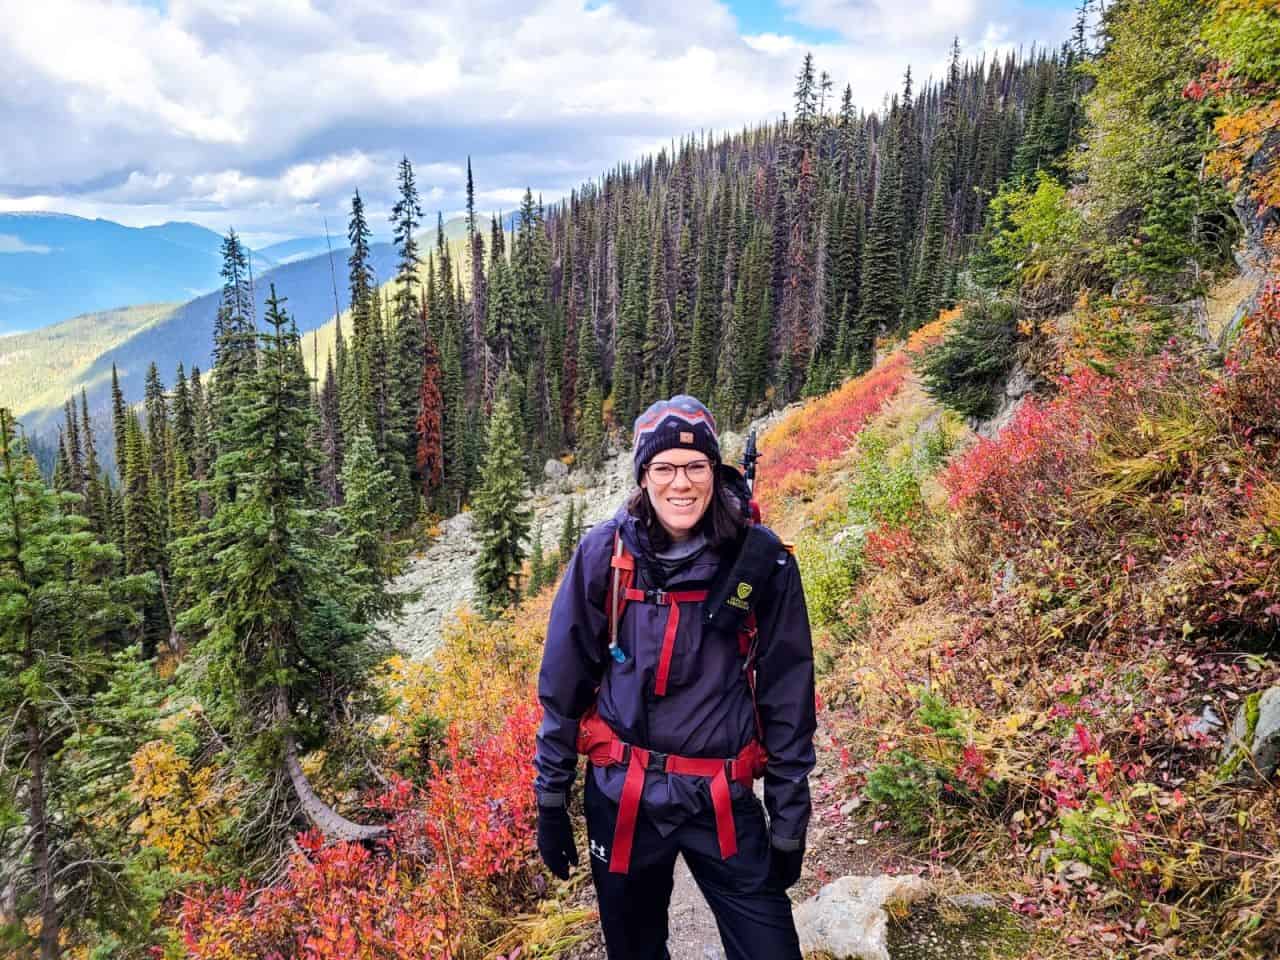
(281, 623)
(61, 607)
(501, 518)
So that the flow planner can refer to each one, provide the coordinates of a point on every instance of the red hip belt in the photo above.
(604, 748)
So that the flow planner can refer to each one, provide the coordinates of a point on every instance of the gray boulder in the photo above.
(1253, 745)
(555, 470)
(847, 917)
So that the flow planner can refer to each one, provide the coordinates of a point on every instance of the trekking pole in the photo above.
(749, 457)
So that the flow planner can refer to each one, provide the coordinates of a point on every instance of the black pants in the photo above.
(754, 919)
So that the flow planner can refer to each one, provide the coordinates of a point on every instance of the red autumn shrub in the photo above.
(1026, 470)
(464, 839)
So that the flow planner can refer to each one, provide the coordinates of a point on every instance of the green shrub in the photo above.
(883, 492)
(830, 572)
(1032, 232)
(934, 449)
(966, 369)
(907, 786)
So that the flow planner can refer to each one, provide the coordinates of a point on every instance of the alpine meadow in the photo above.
(1009, 347)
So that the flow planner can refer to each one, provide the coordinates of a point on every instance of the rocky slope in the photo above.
(442, 573)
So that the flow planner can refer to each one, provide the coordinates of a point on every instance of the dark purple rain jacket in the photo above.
(706, 711)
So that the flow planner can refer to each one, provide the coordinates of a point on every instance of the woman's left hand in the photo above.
(784, 866)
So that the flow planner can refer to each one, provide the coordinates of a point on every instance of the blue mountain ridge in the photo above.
(186, 335)
(54, 266)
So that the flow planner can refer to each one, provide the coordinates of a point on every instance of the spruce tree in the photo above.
(184, 418)
(157, 409)
(60, 608)
(358, 403)
(590, 452)
(537, 563)
(95, 507)
(569, 533)
(501, 517)
(406, 357)
(368, 513)
(282, 626)
(234, 341)
(881, 306)
(119, 421)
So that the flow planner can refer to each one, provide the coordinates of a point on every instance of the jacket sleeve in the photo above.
(572, 663)
(784, 695)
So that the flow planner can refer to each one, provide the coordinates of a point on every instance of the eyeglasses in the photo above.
(662, 473)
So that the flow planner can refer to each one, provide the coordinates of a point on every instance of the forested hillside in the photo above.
(211, 751)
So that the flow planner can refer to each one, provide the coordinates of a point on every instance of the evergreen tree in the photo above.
(282, 625)
(331, 438)
(234, 328)
(881, 306)
(406, 358)
(60, 605)
(119, 421)
(202, 451)
(537, 564)
(702, 339)
(95, 507)
(569, 534)
(359, 403)
(157, 409)
(74, 453)
(184, 418)
(368, 513)
(659, 339)
(591, 427)
(501, 517)
(909, 150)
(682, 316)
(627, 381)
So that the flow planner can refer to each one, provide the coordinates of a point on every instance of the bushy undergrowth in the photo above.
(825, 428)
(457, 863)
(1041, 665)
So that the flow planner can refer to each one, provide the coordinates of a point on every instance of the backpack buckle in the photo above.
(657, 761)
(660, 597)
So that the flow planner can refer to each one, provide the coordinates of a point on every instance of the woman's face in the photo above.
(681, 502)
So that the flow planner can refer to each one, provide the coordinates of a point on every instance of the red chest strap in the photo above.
(671, 599)
(623, 565)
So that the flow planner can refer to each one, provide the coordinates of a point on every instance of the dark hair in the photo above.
(722, 523)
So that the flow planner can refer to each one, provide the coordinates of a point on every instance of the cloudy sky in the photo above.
(265, 114)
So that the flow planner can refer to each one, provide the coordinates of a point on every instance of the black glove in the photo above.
(555, 840)
(784, 866)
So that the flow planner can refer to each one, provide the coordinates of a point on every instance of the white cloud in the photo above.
(268, 113)
(11, 244)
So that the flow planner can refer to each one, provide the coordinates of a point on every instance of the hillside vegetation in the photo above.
(42, 368)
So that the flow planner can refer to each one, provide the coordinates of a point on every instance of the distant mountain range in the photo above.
(167, 335)
(54, 266)
(41, 367)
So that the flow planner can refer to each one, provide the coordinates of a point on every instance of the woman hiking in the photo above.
(698, 680)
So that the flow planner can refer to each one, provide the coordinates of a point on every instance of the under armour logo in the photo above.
(598, 851)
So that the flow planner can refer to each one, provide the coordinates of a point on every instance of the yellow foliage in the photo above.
(932, 332)
(1241, 136)
(180, 807)
(479, 670)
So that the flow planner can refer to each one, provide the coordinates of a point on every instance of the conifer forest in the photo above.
(1012, 341)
